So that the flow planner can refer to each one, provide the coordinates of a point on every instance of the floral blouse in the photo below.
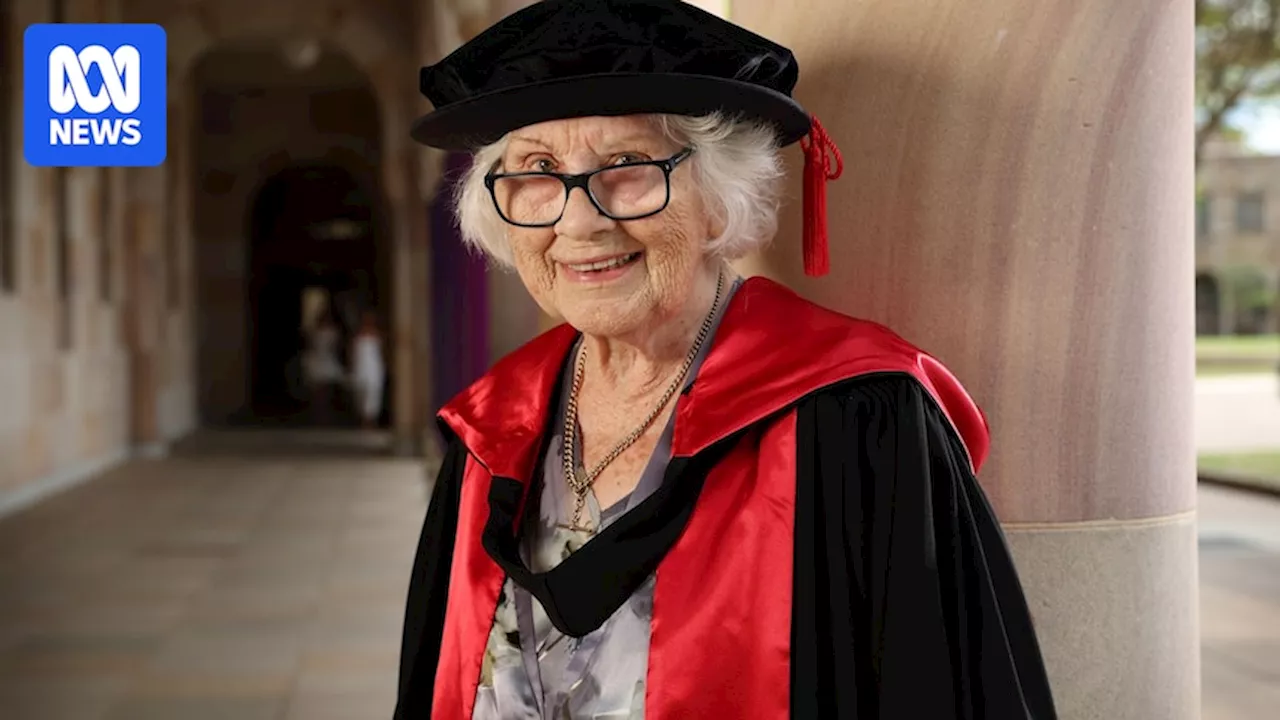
(532, 671)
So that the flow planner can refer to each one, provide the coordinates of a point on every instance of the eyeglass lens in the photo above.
(621, 192)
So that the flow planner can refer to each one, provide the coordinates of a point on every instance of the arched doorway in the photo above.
(313, 255)
(1208, 305)
(288, 202)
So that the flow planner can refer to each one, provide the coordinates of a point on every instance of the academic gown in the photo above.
(821, 546)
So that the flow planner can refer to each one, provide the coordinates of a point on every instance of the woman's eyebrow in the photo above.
(529, 141)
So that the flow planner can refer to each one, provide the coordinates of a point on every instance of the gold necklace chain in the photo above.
(581, 484)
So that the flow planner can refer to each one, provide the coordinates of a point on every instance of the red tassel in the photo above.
(819, 152)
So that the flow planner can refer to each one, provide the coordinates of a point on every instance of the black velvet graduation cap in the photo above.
(560, 59)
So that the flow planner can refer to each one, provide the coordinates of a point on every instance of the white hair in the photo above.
(737, 168)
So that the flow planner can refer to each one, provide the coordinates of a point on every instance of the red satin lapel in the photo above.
(501, 417)
(721, 630)
(475, 582)
(774, 347)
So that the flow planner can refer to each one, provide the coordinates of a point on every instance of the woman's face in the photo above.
(654, 261)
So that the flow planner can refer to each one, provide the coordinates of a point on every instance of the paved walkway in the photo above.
(1239, 604)
(260, 588)
(210, 589)
(1237, 413)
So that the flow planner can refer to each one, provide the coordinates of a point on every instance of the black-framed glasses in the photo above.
(620, 192)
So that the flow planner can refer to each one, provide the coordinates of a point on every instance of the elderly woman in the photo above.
(702, 496)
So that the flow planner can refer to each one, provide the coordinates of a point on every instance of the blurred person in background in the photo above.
(368, 370)
(322, 366)
(703, 496)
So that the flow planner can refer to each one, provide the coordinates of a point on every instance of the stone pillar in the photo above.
(420, 271)
(143, 297)
(180, 377)
(1017, 199)
(408, 373)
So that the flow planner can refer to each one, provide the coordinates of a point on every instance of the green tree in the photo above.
(1237, 57)
(1250, 295)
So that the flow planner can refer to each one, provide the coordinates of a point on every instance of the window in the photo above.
(106, 234)
(1204, 221)
(8, 228)
(1249, 207)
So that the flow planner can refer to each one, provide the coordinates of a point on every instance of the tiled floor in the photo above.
(202, 588)
(249, 587)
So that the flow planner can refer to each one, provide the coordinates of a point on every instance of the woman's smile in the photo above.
(600, 269)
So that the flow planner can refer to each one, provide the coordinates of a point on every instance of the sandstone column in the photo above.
(1017, 199)
(143, 300)
(409, 369)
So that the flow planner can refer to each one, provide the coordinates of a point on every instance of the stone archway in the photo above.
(376, 40)
(258, 116)
(381, 46)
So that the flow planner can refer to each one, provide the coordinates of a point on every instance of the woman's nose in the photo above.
(581, 218)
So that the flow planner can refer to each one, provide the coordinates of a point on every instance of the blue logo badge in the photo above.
(93, 95)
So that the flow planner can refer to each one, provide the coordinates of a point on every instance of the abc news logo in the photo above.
(94, 95)
(69, 89)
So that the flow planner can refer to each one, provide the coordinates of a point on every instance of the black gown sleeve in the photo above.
(907, 604)
(429, 588)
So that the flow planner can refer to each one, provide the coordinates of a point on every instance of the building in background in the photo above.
(138, 304)
(1237, 242)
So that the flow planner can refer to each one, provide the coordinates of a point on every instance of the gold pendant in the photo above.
(579, 504)
(576, 528)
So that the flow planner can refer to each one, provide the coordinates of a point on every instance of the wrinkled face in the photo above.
(603, 276)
